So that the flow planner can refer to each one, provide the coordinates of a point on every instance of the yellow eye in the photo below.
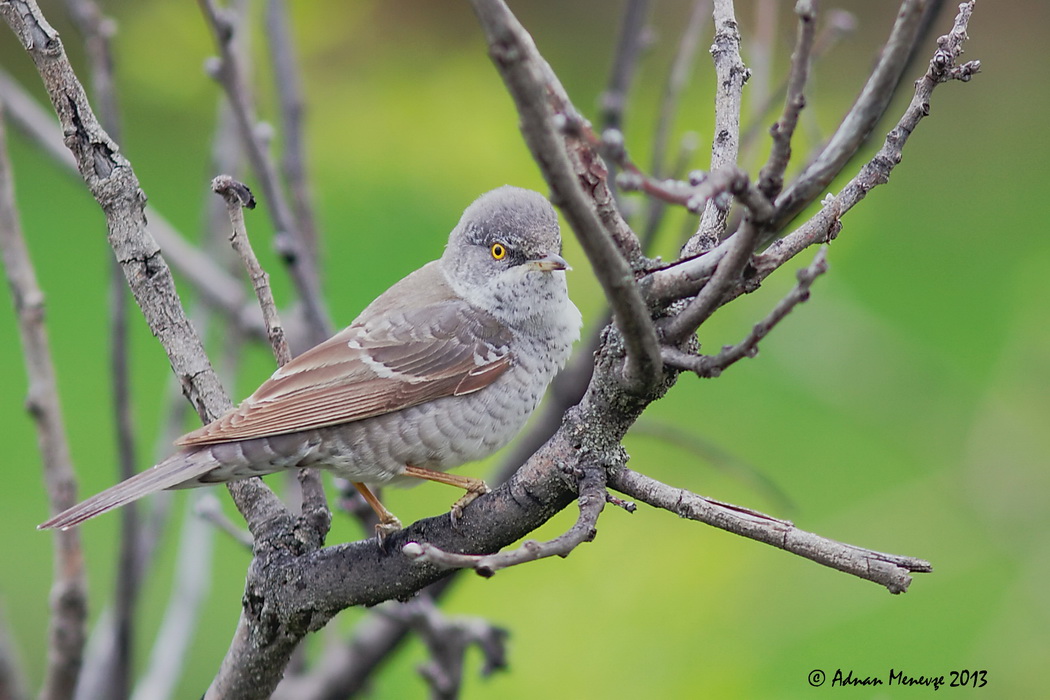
(498, 250)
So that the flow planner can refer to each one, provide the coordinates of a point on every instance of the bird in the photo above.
(443, 368)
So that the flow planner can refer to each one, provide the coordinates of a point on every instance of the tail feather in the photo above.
(178, 469)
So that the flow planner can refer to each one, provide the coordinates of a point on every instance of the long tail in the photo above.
(176, 470)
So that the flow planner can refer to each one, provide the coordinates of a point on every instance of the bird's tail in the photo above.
(175, 471)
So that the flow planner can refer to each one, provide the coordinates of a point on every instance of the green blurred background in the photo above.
(903, 408)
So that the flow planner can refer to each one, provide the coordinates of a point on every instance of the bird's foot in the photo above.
(387, 527)
(475, 489)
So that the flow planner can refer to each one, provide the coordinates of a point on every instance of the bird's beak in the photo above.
(548, 264)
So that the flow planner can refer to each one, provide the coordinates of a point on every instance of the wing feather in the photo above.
(390, 358)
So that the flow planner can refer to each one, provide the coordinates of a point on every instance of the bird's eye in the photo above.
(498, 250)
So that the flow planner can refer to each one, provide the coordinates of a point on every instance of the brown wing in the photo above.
(395, 355)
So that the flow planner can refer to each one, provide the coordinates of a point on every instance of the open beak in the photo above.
(548, 264)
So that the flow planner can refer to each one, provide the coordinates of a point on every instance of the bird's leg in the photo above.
(473, 487)
(388, 522)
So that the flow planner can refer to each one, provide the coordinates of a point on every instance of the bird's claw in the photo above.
(456, 513)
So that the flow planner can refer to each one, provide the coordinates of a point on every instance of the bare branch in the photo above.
(188, 591)
(238, 198)
(860, 120)
(210, 511)
(713, 365)
(12, 676)
(889, 570)
(771, 179)
(713, 294)
(625, 62)
(825, 224)
(447, 641)
(528, 79)
(591, 485)
(731, 74)
(288, 240)
(111, 180)
(288, 83)
(96, 30)
(677, 79)
(66, 628)
(838, 24)
(219, 289)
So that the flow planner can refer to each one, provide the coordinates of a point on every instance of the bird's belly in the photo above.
(439, 435)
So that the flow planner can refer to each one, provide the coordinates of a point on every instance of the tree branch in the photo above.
(713, 365)
(861, 118)
(216, 287)
(112, 182)
(731, 74)
(96, 30)
(288, 84)
(288, 240)
(591, 486)
(824, 225)
(526, 76)
(771, 179)
(66, 628)
(889, 570)
(625, 62)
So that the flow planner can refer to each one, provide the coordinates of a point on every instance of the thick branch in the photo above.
(526, 77)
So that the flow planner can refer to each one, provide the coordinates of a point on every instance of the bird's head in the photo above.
(504, 256)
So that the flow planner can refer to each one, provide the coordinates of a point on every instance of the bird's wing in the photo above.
(390, 358)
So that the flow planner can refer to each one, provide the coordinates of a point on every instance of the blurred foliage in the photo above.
(903, 408)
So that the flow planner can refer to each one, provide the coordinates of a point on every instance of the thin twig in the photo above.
(625, 62)
(760, 48)
(528, 79)
(66, 627)
(189, 591)
(771, 179)
(726, 461)
(238, 198)
(12, 673)
(677, 79)
(217, 288)
(447, 640)
(861, 118)
(288, 83)
(591, 485)
(113, 183)
(288, 239)
(838, 24)
(713, 365)
(210, 511)
(889, 570)
(730, 76)
(824, 225)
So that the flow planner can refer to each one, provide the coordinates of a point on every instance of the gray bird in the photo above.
(443, 368)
